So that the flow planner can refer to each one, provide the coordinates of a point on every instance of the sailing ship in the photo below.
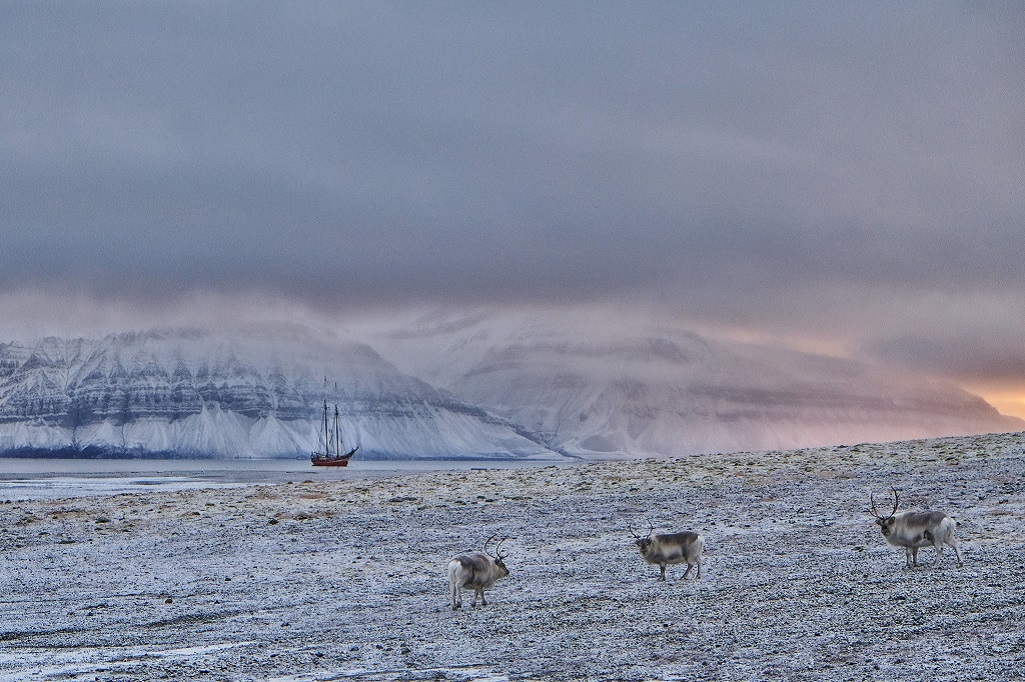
(331, 454)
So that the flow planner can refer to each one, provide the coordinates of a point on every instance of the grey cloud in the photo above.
(973, 359)
(751, 165)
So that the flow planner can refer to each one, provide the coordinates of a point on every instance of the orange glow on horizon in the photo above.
(1006, 402)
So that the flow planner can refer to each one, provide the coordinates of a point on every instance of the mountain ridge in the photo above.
(473, 387)
(194, 393)
(594, 390)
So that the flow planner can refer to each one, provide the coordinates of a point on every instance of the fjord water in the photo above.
(44, 478)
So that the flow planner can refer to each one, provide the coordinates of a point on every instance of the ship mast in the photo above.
(327, 439)
(338, 434)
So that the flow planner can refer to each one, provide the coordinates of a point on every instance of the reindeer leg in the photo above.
(687, 572)
(483, 601)
(662, 576)
(957, 550)
(938, 546)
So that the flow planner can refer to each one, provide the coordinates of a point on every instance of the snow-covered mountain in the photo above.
(520, 386)
(594, 390)
(257, 394)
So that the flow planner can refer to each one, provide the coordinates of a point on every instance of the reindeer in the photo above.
(476, 571)
(671, 548)
(912, 530)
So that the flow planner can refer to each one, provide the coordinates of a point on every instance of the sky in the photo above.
(839, 177)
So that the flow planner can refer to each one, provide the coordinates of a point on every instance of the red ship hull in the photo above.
(325, 462)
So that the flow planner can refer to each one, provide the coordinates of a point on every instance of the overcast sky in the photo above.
(845, 177)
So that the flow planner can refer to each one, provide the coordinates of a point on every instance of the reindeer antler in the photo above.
(896, 503)
(487, 542)
(498, 549)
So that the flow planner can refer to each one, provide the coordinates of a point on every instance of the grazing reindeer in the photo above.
(912, 530)
(476, 571)
(671, 548)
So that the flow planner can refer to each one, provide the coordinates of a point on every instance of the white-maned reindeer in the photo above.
(912, 530)
(671, 548)
(476, 571)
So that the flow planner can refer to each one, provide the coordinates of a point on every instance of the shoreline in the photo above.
(344, 579)
(28, 479)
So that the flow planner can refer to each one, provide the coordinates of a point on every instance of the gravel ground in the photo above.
(346, 579)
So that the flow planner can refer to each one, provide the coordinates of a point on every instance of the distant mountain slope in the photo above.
(257, 394)
(594, 390)
(508, 386)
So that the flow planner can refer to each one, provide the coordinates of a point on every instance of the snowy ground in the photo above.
(340, 580)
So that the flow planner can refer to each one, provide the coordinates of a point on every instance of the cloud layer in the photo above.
(839, 174)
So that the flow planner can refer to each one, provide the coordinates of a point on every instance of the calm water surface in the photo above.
(24, 479)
